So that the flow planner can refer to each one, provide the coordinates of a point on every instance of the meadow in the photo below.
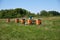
(48, 30)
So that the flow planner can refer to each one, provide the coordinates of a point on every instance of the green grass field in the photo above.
(48, 30)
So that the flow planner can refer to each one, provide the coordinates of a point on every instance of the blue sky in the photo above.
(31, 5)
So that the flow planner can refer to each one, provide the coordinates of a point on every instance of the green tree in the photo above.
(44, 13)
(54, 13)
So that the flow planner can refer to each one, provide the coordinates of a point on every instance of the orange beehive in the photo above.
(16, 20)
(23, 21)
(38, 22)
(8, 20)
(29, 21)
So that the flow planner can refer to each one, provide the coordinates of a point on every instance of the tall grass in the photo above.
(48, 30)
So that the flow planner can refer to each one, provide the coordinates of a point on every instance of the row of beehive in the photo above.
(29, 21)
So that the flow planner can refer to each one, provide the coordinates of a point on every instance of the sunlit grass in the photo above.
(48, 30)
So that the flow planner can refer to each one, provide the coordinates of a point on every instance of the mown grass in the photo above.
(48, 30)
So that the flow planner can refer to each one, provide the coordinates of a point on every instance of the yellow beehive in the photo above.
(38, 22)
(29, 21)
(23, 21)
(16, 20)
(8, 20)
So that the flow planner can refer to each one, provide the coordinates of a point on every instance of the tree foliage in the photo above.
(49, 13)
(14, 13)
(54, 13)
(44, 13)
(19, 12)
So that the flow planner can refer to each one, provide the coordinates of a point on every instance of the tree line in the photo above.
(19, 12)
